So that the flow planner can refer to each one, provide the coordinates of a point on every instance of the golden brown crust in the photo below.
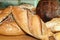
(5, 13)
(28, 22)
(19, 14)
(10, 27)
(39, 28)
(31, 24)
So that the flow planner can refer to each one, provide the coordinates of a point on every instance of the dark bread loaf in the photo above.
(47, 9)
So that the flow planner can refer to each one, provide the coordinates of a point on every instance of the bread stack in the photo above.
(18, 20)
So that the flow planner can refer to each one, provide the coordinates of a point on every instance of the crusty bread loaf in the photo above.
(31, 24)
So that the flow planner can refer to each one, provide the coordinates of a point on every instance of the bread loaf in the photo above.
(31, 24)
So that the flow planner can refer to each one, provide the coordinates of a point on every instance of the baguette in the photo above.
(31, 24)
